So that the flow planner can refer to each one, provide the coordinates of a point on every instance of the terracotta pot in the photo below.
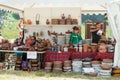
(34, 65)
(34, 61)
(34, 68)
(95, 62)
(57, 64)
(67, 63)
(92, 74)
(57, 70)
(105, 67)
(1, 66)
(47, 70)
(18, 62)
(85, 47)
(87, 59)
(94, 48)
(48, 64)
(107, 60)
(17, 66)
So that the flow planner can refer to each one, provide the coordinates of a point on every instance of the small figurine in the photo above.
(47, 21)
(69, 16)
(63, 16)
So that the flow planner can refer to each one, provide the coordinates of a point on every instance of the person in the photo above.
(75, 37)
(19, 41)
(96, 33)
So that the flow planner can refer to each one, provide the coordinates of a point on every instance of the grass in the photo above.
(41, 75)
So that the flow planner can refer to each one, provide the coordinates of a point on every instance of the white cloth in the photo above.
(114, 19)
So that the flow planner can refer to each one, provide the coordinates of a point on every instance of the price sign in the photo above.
(31, 55)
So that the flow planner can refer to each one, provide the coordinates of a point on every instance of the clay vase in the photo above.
(94, 48)
(85, 47)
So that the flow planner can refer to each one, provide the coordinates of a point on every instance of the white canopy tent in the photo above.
(87, 5)
(113, 9)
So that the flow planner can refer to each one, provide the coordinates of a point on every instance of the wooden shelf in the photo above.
(49, 25)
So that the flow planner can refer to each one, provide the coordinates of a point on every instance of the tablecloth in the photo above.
(81, 55)
(51, 56)
(106, 55)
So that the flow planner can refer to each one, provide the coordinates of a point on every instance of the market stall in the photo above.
(47, 30)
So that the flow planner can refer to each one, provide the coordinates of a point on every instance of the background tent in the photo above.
(114, 20)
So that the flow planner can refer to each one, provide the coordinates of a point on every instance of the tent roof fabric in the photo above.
(84, 4)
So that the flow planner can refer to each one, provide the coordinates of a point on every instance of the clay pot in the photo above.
(56, 70)
(34, 65)
(34, 68)
(92, 74)
(57, 65)
(67, 63)
(48, 64)
(17, 65)
(87, 59)
(107, 60)
(105, 67)
(94, 48)
(47, 22)
(47, 70)
(34, 61)
(18, 62)
(1, 66)
(85, 47)
(63, 16)
(95, 62)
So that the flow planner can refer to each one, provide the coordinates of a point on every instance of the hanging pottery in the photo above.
(37, 18)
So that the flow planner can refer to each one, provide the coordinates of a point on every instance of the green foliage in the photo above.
(10, 27)
(16, 16)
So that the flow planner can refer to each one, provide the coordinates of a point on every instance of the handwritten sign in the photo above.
(31, 55)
